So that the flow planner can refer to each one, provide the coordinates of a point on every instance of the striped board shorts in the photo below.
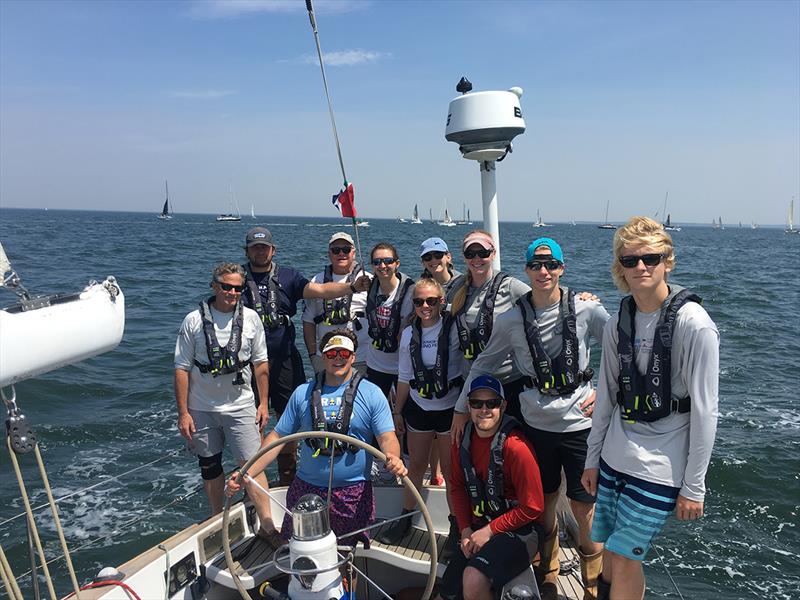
(352, 508)
(630, 512)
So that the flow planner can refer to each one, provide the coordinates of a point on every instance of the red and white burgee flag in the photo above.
(344, 201)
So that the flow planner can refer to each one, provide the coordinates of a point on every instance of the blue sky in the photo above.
(100, 102)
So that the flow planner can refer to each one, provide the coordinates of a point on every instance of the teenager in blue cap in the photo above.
(499, 526)
(547, 334)
(437, 263)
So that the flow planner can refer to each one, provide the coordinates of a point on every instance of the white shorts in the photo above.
(239, 428)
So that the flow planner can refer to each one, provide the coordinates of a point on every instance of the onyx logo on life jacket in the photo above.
(384, 331)
(473, 341)
(336, 311)
(648, 397)
(432, 381)
(486, 497)
(267, 310)
(324, 447)
(222, 361)
(560, 375)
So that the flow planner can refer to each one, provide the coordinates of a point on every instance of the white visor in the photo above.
(339, 341)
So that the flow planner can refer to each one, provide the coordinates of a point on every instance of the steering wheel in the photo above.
(304, 435)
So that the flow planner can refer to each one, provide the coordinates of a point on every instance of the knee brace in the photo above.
(210, 466)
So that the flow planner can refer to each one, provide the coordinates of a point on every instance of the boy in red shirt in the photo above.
(497, 498)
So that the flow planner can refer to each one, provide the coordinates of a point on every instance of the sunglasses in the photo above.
(230, 288)
(432, 301)
(550, 265)
(481, 252)
(433, 255)
(490, 404)
(383, 261)
(334, 352)
(336, 250)
(649, 260)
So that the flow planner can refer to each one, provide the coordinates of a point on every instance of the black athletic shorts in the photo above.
(513, 389)
(556, 451)
(285, 374)
(426, 421)
(385, 381)
(501, 559)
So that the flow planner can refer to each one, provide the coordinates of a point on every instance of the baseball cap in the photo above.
(258, 235)
(487, 382)
(555, 249)
(339, 341)
(478, 237)
(341, 235)
(433, 244)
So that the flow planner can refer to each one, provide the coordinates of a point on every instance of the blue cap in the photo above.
(433, 244)
(487, 382)
(555, 249)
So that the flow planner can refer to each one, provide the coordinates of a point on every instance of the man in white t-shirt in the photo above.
(323, 315)
(218, 345)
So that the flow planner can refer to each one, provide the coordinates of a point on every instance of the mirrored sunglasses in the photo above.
(376, 262)
(334, 352)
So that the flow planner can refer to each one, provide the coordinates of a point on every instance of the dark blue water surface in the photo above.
(116, 412)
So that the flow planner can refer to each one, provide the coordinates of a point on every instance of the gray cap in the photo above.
(341, 235)
(258, 235)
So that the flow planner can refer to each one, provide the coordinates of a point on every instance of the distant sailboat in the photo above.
(362, 223)
(252, 212)
(668, 226)
(430, 215)
(447, 221)
(234, 215)
(539, 222)
(415, 220)
(166, 211)
(790, 220)
(401, 220)
(606, 224)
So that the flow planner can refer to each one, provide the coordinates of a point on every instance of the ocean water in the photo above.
(116, 412)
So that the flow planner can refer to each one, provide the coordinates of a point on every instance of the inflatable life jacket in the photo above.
(336, 311)
(557, 376)
(222, 360)
(648, 397)
(323, 447)
(267, 311)
(432, 381)
(474, 341)
(486, 498)
(385, 338)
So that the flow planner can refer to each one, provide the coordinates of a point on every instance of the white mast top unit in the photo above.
(483, 124)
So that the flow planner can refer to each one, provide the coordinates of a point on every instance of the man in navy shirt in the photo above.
(273, 292)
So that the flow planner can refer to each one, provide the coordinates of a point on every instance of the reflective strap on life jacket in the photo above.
(432, 381)
(560, 375)
(385, 338)
(486, 498)
(649, 397)
(473, 341)
(222, 361)
(268, 311)
(323, 447)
